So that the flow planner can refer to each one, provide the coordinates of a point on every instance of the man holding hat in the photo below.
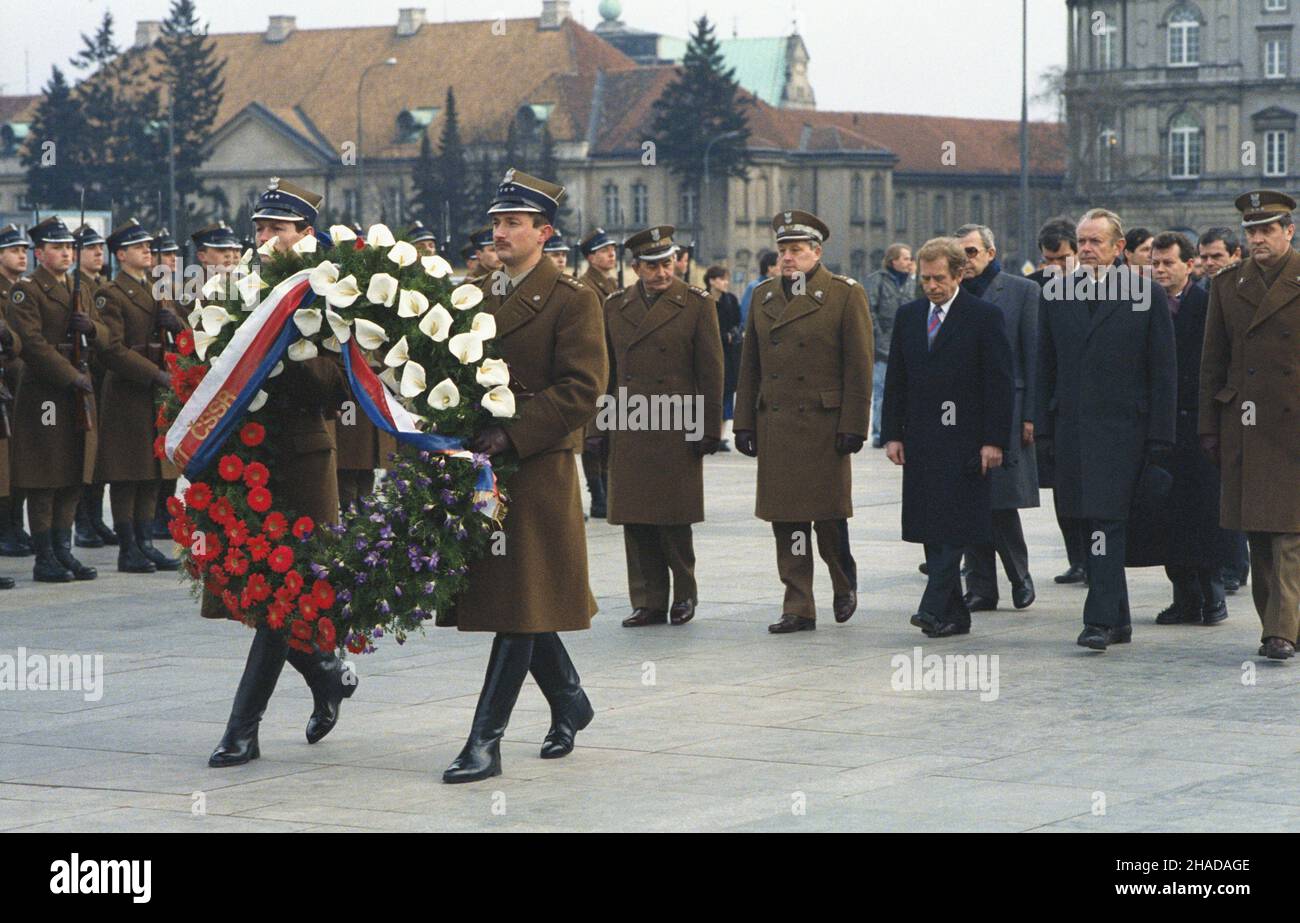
(601, 252)
(664, 346)
(14, 540)
(550, 334)
(133, 357)
(423, 239)
(1250, 409)
(803, 402)
(304, 480)
(54, 452)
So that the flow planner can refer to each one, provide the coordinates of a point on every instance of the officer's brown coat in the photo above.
(671, 348)
(603, 286)
(805, 375)
(127, 411)
(362, 446)
(551, 334)
(1250, 366)
(11, 358)
(49, 456)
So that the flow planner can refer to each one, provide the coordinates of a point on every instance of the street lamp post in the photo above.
(361, 160)
(1024, 131)
(708, 149)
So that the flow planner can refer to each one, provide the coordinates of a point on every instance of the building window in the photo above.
(940, 213)
(687, 216)
(1185, 144)
(878, 199)
(763, 201)
(1184, 38)
(742, 216)
(396, 205)
(1277, 54)
(1276, 144)
(350, 204)
(858, 265)
(640, 205)
(792, 194)
(1274, 6)
(1107, 150)
(1105, 46)
(976, 209)
(740, 274)
(613, 210)
(900, 211)
(857, 204)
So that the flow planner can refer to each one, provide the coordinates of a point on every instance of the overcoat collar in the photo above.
(1283, 292)
(665, 308)
(52, 286)
(136, 292)
(526, 301)
(814, 296)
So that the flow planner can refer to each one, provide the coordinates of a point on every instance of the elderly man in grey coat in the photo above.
(887, 289)
(1014, 485)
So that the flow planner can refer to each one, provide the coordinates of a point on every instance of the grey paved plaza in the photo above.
(712, 726)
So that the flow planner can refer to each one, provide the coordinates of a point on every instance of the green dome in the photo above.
(610, 10)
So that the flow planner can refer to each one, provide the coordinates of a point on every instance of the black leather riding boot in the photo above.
(87, 537)
(94, 499)
(62, 541)
(331, 680)
(261, 670)
(143, 534)
(10, 546)
(507, 667)
(130, 558)
(47, 568)
(557, 677)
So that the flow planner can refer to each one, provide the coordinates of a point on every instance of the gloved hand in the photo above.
(747, 442)
(169, 321)
(492, 441)
(596, 445)
(80, 323)
(848, 443)
(705, 446)
(83, 383)
(1210, 448)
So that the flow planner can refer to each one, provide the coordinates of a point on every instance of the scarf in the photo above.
(977, 285)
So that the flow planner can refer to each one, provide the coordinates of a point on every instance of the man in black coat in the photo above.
(1186, 536)
(949, 396)
(1106, 392)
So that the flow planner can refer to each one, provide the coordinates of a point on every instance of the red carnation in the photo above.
(252, 434)
(325, 634)
(357, 644)
(231, 467)
(275, 525)
(293, 582)
(175, 508)
(301, 630)
(160, 447)
(231, 601)
(281, 559)
(259, 498)
(256, 474)
(222, 511)
(211, 546)
(275, 616)
(258, 588)
(185, 342)
(236, 562)
(285, 596)
(323, 593)
(307, 606)
(302, 529)
(198, 496)
(172, 361)
(237, 532)
(258, 547)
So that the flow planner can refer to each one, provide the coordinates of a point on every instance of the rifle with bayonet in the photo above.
(79, 344)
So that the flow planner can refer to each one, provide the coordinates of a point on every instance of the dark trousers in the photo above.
(1074, 532)
(1196, 588)
(1107, 602)
(653, 553)
(133, 501)
(795, 565)
(942, 597)
(53, 508)
(1009, 545)
(1237, 558)
(355, 484)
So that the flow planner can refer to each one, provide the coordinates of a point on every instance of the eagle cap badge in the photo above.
(274, 184)
(1254, 200)
(510, 175)
(789, 216)
(654, 234)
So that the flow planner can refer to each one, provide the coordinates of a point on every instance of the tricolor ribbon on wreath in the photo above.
(235, 377)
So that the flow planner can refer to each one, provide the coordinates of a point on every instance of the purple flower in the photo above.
(343, 596)
(378, 632)
(397, 590)
(429, 587)
(361, 543)
(424, 456)
(448, 497)
(386, 532)
(361, 578)
(319, 572)
(385, 545)
(373, 558)
(480, 460)
(377, 517)
(384, 608)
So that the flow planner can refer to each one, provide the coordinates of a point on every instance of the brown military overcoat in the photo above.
(48, 451)
(551, 334)
(805, 375)
(665, 361)
(603, 286)
(1250, 395)
(10, 358)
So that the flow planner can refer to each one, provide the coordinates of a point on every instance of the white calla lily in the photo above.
(332, 344)
(369, 334)
(466, 296)
(344, 293)
(500, 402)
(399, 354)
(258, 402)
(201, 343)
(493, 372)
(412, 379)
(484, 325)
(341, 327)
(444, 395)
(466, 347)
(403, 253)
(250, 288)
(247, 257)
(341, 233)
(305, 245)
(389, 377)
(215, 287)
(323, 278)
(269, 247)
(436, 325)
(302, 350)
(196, 316)
(436, 266)
(380, 236)
(214, 317)
(307, 320)
(383, 289)
(279, 368)
(411, 304)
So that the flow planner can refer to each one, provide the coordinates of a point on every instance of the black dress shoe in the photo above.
(946, 629)
(924, 568)
(6, 583)
(976, 603)
(1098, 637)
(682, 612)
(1277, 649)
(1074, 574)
(62, 542)
(1213, 615)
(844, 606)
(924, 621)
(791, 623)
(1231, 585)
(1022, 595)
(1177, 615)
(642, 617)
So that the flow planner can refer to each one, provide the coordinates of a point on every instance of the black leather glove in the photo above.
(596, 445)
(80, 323)
(848, 443)
(747, 442)
(6, 338)
(492, 441)
(169, 321)
(705, 446)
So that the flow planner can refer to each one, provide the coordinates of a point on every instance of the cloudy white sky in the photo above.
(942, 57)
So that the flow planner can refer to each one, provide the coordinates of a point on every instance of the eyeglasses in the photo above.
(973, 251)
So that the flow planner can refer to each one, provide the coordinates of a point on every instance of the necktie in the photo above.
(936, 318)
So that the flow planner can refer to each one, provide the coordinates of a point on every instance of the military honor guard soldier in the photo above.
(803, 402)
(91, 531)
(557, 250)
(423, 239)
(664, 344)
(601, 253)
(216, 247)
(15, 542)
(1250, 409)
(485, 256)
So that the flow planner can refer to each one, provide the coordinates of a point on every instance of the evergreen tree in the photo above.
(489, 178)
(548, 168)
(53, 174)
(427, 193)
(453, 174)
(191, 79)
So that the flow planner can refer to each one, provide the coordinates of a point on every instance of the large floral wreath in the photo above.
(400, 554)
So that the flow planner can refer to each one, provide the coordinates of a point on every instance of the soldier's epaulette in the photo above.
(570, 281)
(614, 294)
(1235, 265)
(846, 279)
(699, 291)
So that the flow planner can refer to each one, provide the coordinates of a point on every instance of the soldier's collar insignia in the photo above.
(17, 296)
